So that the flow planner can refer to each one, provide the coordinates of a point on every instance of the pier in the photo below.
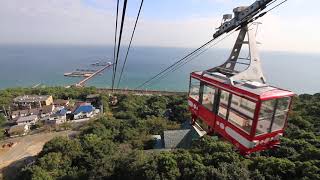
(82, 82)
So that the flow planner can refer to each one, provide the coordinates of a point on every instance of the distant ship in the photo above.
(98, 63)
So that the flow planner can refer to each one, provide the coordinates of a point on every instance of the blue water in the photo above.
(29, 65)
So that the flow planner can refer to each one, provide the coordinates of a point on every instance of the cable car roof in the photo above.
(254, 88)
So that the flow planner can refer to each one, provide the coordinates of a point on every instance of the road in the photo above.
(26, 146)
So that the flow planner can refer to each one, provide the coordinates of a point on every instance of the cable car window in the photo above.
(208, 97)
(223, 104)
(194, 89)
(241, 113)
(281, 113)
(265, 116)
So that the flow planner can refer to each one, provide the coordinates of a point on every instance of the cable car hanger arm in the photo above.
(242, 16)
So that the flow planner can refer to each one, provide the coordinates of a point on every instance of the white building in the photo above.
(83, 111)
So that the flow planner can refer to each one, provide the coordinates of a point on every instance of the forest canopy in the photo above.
(117, 145)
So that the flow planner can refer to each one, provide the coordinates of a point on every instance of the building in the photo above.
(58, 118)
(31, 101)
(182, 138)
(61, 102)
(176, 139)
(84, 110)
(46, 110)
(42, 112)
(30, 120)
(18, 130)
(18, 113)
(94, 99)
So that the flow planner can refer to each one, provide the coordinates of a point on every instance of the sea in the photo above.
(29, 65)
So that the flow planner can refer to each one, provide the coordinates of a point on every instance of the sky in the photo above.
(167, 23)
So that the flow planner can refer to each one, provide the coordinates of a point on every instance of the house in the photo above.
(18, 130)
(46, 110)
(58, 118)
(182, 138)
(30, 120)
(61, 102)
(42, 112)
(31, 101)
(176, 139)
(18, 113)
(84, 110)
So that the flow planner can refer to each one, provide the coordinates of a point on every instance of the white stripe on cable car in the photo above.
(242, 140)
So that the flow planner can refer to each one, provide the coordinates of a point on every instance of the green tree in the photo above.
(167, 166)
(274, 167)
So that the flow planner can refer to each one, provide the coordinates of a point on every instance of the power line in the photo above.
(119, 40)
(115, 40)
(134, 29)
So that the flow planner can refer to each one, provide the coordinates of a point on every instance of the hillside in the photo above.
(116, 145)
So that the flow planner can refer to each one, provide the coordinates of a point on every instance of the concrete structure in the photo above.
(30, 120)
(31, 101)
(19, 130)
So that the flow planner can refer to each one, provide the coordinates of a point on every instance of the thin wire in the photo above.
(166, 69)
(192, 58)
(115, 40)
(276, 6)
(119, 41)
(134, 29)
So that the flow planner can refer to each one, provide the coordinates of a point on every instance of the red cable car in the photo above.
(234, 100)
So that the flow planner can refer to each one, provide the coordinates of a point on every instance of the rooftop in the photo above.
(175, 138)
(27, 118)
(31, 98)
(60, 101)
(86, 108)
(263, 90)
(62, 112)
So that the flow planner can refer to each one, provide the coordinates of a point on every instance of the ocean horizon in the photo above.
(28, 65)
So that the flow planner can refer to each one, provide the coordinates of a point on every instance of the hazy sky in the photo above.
(179, 23)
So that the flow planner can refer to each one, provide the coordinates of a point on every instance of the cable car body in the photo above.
(235, 101)
(251, 116)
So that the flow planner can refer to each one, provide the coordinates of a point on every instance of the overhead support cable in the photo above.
(134, 29)
(119, 40)
(190, 59)
(276, 6)
(115, 40)
(174, 64)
